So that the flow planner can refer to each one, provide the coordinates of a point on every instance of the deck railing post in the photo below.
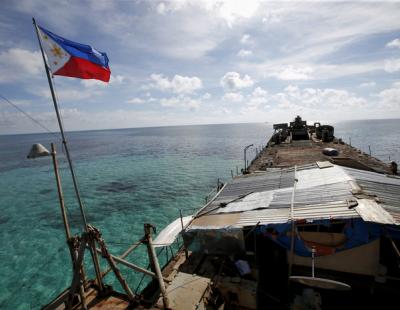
(292, 218)
(154, 260)
(182, 231)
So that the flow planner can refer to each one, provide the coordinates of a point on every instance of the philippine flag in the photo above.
(68, 58)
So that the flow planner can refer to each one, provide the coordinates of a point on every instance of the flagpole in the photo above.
(64, 141)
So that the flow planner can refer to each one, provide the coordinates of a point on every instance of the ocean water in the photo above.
(127, 177)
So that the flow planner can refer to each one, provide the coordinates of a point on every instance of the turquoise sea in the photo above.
(127, 177)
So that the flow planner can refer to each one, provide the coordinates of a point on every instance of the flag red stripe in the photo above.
(84, 69)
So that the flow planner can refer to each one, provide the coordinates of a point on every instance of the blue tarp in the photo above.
(357, 233)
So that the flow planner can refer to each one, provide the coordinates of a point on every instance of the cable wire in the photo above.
(29, 116)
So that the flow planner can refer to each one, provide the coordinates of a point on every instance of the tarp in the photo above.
(168, 235)
(357, 233)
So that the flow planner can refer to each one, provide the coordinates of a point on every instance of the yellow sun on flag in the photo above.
(57, 52)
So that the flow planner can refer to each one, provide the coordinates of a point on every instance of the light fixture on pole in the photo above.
(38, 150)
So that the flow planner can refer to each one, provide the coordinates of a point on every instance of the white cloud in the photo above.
(18, 63)
(180, 101)
(394, 43)
(136, 101)
(17, 102)
(245, 39)
(258, 97)
(368, 84)
(172, 6)
(293, 73)
(235, 97)
(390, 98)
(233, 11)
(230, 11)
(117, 79)
(298, 100)
(259, 92)
(178, 84)
(69, 113)
(93, 83)
(244, 53)
(114, 80)
(161, 8)
(392, 65)
(327, 98)
(232, 81)
(271, 17)
(206, 96)
(253, 101)
(69, 94)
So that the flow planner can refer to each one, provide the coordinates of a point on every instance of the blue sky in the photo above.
(200, 62)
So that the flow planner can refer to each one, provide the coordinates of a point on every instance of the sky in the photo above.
(204, 62)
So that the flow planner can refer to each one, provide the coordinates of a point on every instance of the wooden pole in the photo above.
(65, 219)
(77, 277)
(125, 254)
(115, 269)
(60, 193)
(154, 259)
(132, 266)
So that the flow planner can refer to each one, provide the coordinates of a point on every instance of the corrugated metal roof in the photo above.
(266, 216)
(320, 194)
(274, 190)
(333, 210)
(371, 211)
(248, 184)
(385, 189)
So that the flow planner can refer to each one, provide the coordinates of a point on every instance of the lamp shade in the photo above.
(38, 150)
